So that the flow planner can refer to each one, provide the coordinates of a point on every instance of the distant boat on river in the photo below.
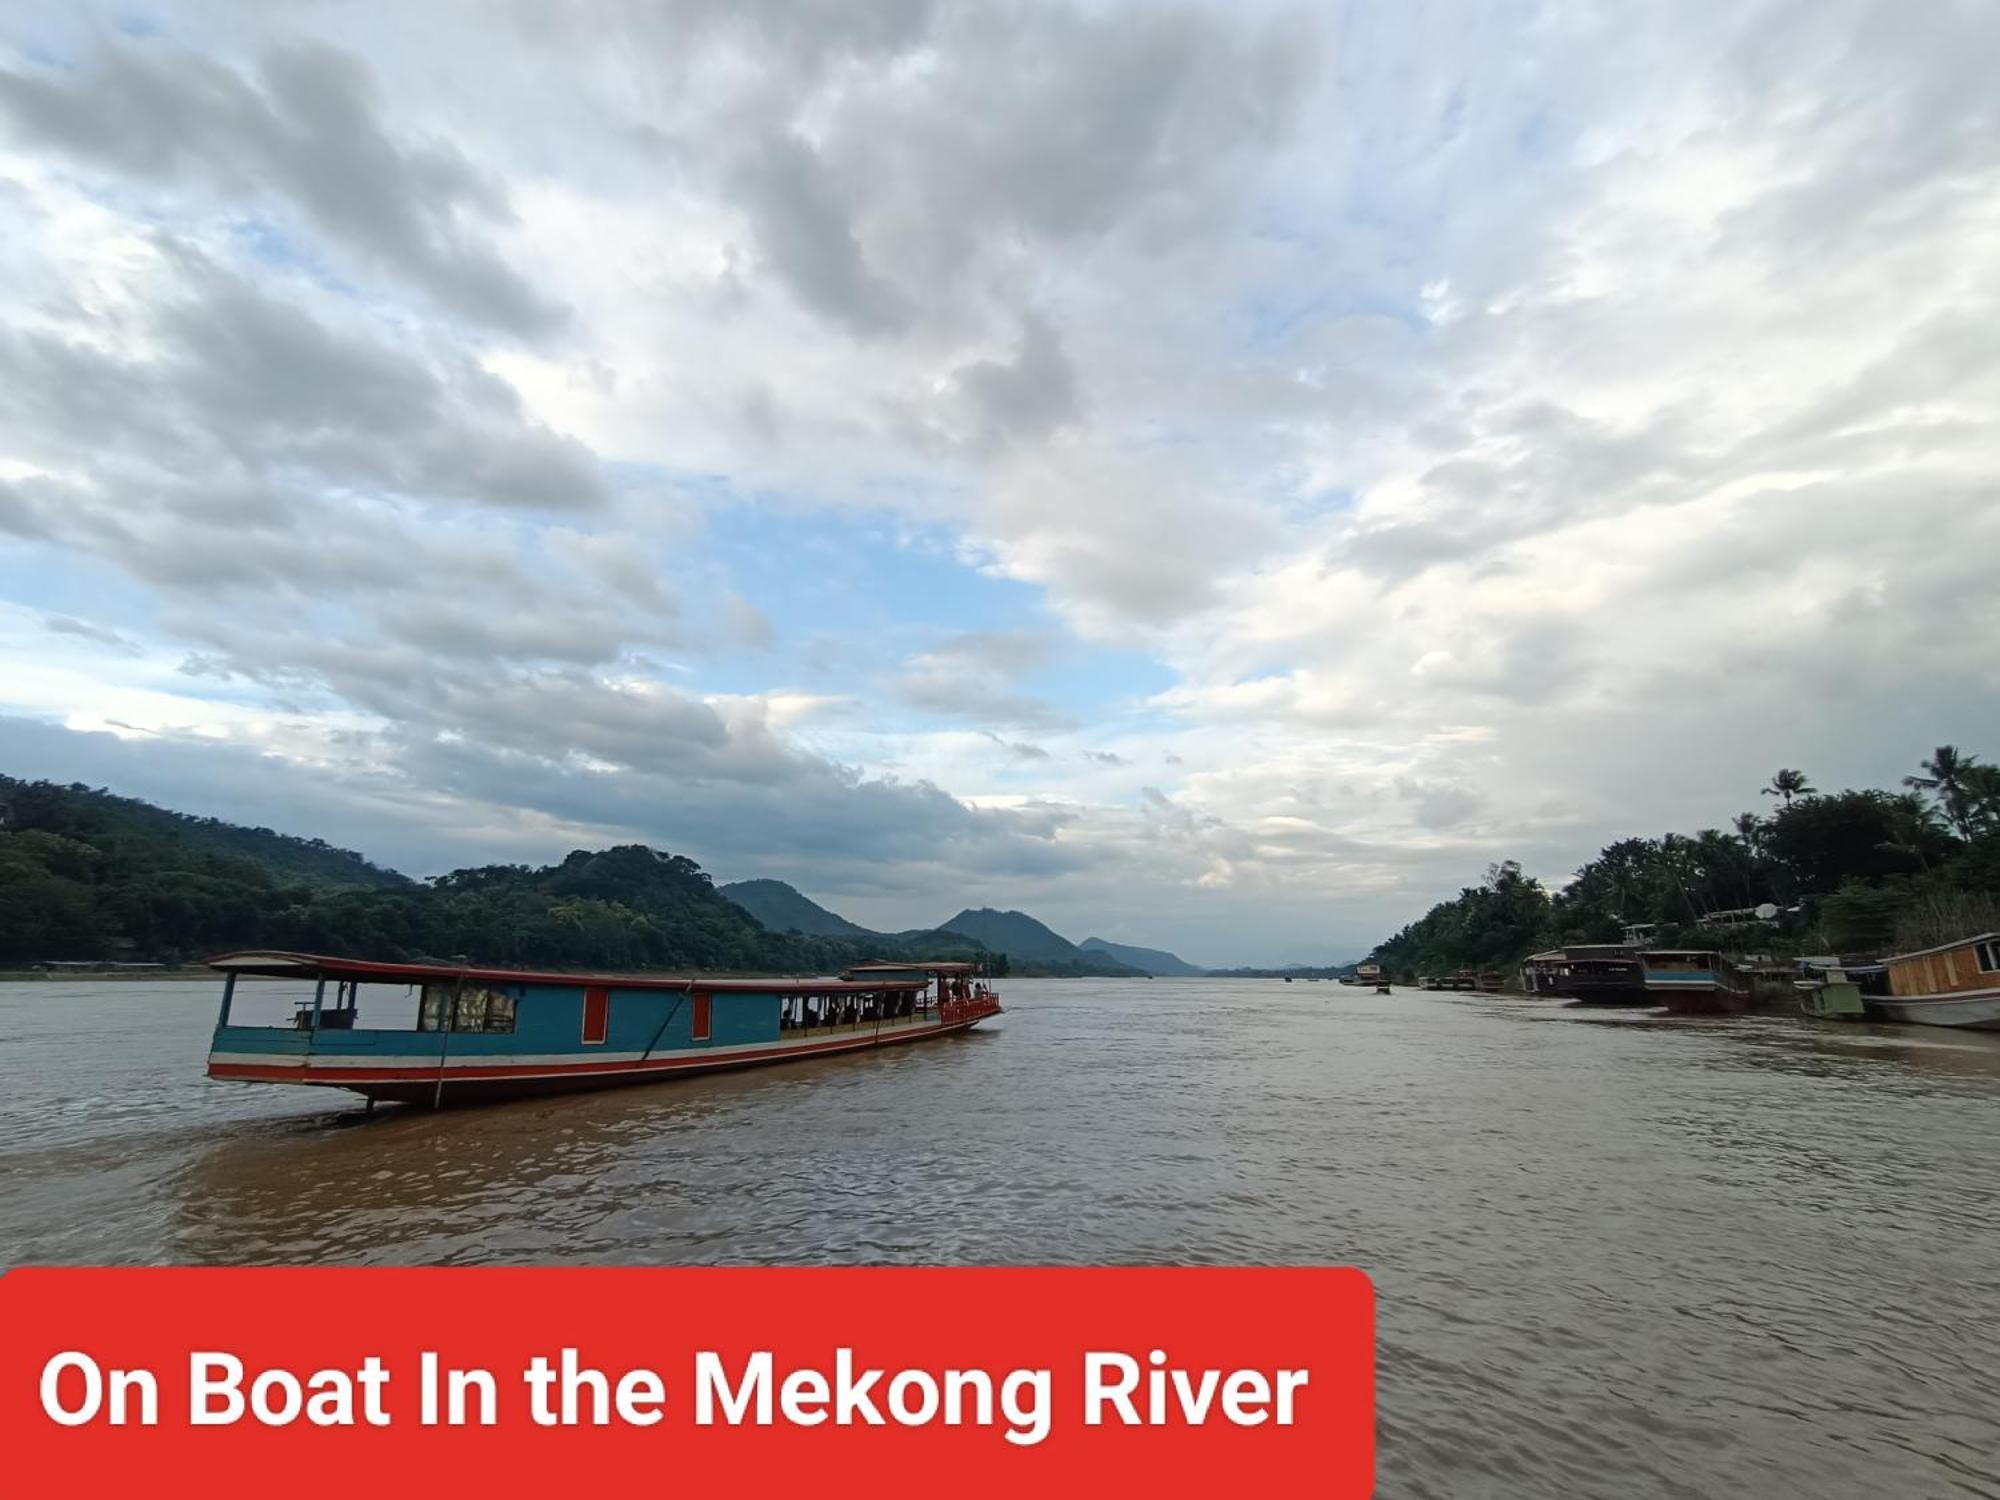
(437, 1032)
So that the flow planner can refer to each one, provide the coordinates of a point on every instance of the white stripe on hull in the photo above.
(1978, 1010)
(814, 1036)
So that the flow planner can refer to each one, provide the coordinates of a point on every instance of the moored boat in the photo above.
(1830, 990)
(1694, 982)
(432, 1033)
(1953, 984)
(1590, 974)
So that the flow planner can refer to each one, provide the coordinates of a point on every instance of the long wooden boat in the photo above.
(1953, 984)
(1695, 982)
(433, 1033)
(1590, 974)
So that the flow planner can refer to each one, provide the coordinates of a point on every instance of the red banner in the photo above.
(832, 1383)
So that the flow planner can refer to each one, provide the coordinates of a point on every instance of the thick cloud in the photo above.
(431, 806)
(973, 676)
(306, 132)
(1027, 396)
(217, 373)
(1496, 433)
(802, 225)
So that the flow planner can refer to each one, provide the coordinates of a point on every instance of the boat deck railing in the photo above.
(969, 1009)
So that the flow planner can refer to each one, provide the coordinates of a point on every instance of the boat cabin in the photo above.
(1953, 984)
(1595, 973)
(1964, 967)
(1695, 981)
(426, 1032)
(1831, 989)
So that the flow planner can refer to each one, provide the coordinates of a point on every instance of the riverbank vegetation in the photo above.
(88, 875)
(1851, 872)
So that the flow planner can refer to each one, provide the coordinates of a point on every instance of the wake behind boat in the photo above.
(425, 1033)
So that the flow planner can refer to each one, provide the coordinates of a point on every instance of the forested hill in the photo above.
(783, 908)
(1854, 872)
(1027, 942)
(87, 876)
(141, 832)
(1027, 947)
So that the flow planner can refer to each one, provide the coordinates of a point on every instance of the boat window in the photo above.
(480, 1007)
(483, 1008)
(1989, 956)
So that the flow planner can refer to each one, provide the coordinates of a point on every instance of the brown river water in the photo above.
(1615, 1255)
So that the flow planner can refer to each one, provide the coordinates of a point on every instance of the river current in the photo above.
(1615, 1254)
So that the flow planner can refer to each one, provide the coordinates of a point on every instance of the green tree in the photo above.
(1950, 777)
(1916, 829)
(1822, 841)
(1982, 800)
(1750, 829)
(1788, 784)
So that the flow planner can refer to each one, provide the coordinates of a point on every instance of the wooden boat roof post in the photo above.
(274, 964)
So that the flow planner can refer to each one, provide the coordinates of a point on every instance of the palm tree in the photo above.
(1982, 798)
(1789, 784)
(1676, 855)
(1749, 828)
(1950, 776)
(1724, 868)
(1915, 823)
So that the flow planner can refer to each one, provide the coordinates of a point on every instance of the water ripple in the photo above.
(1615, 1256)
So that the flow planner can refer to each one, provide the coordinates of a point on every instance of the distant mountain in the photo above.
(783, 908)
(1032, 947)
(1155, 961)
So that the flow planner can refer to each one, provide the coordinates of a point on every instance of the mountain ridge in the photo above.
(785, 908)
(1155, 961)
(1031, 947)
(1024, 939)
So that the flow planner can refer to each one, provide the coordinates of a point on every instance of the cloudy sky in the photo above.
(1214, 477)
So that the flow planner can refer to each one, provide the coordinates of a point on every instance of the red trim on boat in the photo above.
(596, 1016)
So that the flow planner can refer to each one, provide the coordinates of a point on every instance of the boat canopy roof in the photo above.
(1860, 968)
(1584, 952)
(1964, 942)
(272, 964)
(883, 966)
